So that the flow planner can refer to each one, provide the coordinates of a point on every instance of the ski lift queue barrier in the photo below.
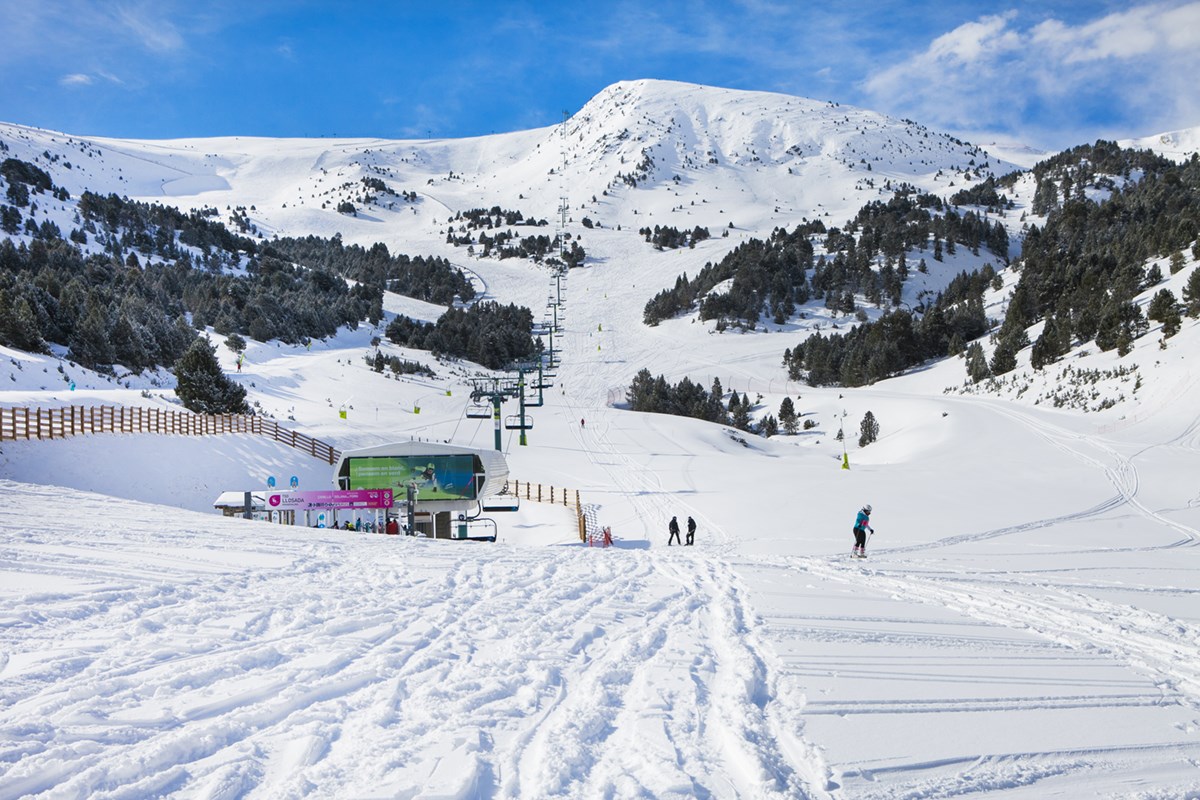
(58, 423)
(550, 494)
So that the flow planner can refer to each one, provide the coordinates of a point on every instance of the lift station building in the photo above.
(450, 481)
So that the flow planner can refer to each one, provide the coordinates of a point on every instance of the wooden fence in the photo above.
(59, 423)
(23, 423)
(550, 494)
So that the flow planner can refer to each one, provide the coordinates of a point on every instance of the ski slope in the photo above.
(1027, 623)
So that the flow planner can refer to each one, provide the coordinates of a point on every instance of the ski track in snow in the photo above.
(1117, 468)
(303, 675)
(1165, 649)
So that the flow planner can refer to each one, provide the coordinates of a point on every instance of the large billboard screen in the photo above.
(444, 477)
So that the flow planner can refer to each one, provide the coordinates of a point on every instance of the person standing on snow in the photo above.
(691, 539)
(862, 524)
(673, 527)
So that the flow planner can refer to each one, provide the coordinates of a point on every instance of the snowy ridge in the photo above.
(699, 156)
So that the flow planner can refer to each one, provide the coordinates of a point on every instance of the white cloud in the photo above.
(1124, 74)
(1140, 32)
(84, 79)
(155, 33)
(975, 41)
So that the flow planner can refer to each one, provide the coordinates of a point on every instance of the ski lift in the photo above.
(479, 411)
(515, 422)
(501, 502)
(544, 383)
(466, 529)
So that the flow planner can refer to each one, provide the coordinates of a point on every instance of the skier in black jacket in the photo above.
(674, 529)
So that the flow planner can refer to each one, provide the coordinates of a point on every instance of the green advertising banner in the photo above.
(441, 477)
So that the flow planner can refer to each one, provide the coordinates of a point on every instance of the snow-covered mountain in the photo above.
(698, 156)
(1026, 624)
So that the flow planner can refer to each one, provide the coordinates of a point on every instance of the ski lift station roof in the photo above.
(488, 468)
(230, 502)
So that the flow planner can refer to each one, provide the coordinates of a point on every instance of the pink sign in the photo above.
(353, 498)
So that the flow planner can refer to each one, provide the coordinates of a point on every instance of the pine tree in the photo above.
(89, 344)
(1165, 309)
(235, 342)
(203, 386)
(1177, 262)
(127, 345)
(787, 416)
(1004, 359)
(1053, 342)
(19, 326)
(740, 412)
(868, 430)
(977, 366)
(1191, 293)
(769, 426)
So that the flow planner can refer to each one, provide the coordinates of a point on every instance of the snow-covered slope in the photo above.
(699, 156)
(1179, 145)
(1026, 625)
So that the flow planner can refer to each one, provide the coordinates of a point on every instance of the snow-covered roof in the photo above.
(238, 500)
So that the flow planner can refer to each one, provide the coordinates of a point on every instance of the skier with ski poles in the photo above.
(862, 524)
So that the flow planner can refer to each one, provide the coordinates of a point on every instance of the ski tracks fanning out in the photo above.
(370, 666)
(687, 706)
(1119, 469)
(1166, 649)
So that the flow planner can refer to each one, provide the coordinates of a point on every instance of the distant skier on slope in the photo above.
(862, 524)
(673, 527)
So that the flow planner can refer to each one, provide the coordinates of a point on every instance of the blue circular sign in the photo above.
(294, 481)
(271, 482)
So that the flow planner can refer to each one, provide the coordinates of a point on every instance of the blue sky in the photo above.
(1051, 74)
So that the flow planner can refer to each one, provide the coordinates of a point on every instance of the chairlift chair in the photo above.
(479, 411)
(514, 422)
(501, 502)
